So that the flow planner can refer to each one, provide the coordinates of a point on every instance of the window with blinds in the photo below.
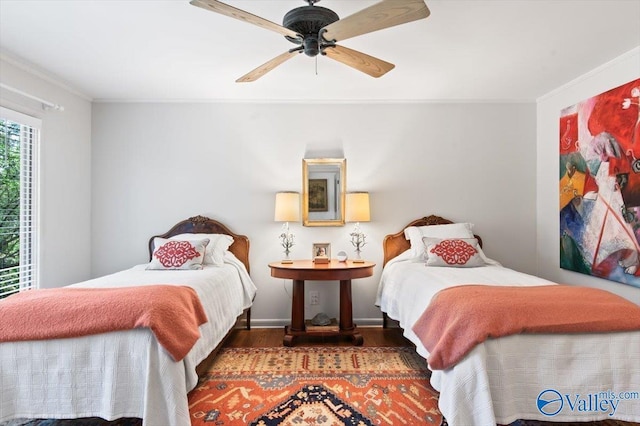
(18, 202)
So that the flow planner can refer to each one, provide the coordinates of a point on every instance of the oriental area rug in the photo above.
(315, 386)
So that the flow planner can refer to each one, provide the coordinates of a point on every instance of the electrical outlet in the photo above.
(314, 297)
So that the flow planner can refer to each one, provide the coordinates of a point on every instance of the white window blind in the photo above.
(19, 142)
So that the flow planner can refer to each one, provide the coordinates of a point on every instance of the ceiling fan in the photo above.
(316, 30)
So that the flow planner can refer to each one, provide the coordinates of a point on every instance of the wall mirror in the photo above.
(323, 191)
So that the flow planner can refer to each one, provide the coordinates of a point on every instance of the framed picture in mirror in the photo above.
(318, 198)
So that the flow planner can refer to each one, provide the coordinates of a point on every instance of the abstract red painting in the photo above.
(599, 184)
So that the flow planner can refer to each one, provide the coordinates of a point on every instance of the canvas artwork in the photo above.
(600, 185)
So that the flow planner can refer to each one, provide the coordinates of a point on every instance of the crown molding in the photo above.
(36, 71)
(317, 101)
(625, 56)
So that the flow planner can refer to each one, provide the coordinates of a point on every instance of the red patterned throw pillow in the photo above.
(176, 254)
(454, 252)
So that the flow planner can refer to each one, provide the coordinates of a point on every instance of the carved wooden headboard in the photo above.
(204, 225)
(395, 244)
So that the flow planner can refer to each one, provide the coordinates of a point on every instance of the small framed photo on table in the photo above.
(321, 252)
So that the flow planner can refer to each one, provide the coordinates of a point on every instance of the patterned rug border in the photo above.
(418, 367)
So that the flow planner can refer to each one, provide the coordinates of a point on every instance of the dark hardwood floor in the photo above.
(272, 337)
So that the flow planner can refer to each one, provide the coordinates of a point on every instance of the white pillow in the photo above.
(218, 246)
(453, 252)
(454, 230)
(177, 254)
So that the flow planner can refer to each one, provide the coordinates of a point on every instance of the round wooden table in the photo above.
(301, 270)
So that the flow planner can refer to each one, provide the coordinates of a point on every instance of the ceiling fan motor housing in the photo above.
(308, 21)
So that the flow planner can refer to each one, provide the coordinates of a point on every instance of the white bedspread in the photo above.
(125, 373)
(593, 376)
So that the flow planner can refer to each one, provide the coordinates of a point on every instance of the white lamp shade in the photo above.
(287, 207)
(357, 207)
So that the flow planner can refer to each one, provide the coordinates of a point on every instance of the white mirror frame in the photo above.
(324, 184)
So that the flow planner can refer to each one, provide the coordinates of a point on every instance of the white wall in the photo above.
(154, 164)
(65, 178)
(622, 70)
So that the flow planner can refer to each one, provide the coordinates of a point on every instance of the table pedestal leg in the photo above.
(297, 313)
(346, 313)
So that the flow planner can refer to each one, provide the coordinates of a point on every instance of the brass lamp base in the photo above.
(286, 261)
(358, 261)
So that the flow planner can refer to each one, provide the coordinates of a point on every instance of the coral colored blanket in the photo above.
(461, 317)
(173, 313)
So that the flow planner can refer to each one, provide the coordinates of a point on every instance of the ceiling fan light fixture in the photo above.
(311, 46)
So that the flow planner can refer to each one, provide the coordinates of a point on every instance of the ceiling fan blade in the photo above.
(362, 62)
(385, 14)
(225, 9)
(267, 66)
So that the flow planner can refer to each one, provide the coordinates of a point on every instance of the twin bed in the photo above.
(127, 373)
(543, 376)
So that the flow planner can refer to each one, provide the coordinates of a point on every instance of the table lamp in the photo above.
(287, 210)
(357, 210)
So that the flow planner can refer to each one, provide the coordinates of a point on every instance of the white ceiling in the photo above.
(170, 50)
